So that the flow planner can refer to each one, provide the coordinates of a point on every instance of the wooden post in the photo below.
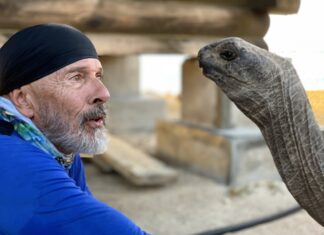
(203, 102)
(128, 109)
(121, 75)
(199, 96)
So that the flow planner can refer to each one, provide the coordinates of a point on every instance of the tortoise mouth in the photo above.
(210, 70)
(217, 74)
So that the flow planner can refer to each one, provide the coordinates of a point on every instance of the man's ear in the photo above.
(22, 100)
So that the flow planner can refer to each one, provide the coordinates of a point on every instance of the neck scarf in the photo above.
(27, 130)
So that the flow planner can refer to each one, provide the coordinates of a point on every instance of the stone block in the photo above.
(231, 156)
(129, 114)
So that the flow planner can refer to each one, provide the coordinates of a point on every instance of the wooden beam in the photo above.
(137, 16)
(127, 44)
(273, 6)
(285, 7)
(120, 44)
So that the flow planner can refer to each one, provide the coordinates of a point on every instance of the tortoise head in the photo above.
(246, 73)
(236, 64)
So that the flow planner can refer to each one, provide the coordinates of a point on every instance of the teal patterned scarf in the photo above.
(27, 130)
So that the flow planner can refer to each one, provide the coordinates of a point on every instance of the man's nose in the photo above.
(101, 93)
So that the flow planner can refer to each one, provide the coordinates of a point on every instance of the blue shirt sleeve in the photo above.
(38, 197)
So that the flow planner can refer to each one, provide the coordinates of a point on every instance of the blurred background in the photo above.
(182, 158)
(297, 36)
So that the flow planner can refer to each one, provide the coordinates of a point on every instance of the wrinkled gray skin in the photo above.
(266, 88)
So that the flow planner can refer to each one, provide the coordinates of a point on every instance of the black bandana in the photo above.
(40, 50)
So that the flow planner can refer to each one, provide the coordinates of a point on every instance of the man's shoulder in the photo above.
(15, 151)
(13, 143)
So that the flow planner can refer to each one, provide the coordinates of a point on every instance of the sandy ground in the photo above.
(195, 203)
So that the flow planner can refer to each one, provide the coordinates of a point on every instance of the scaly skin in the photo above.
(267, 89)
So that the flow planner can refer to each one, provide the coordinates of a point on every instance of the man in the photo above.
(52, 108)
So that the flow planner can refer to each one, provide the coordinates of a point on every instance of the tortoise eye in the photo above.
(228, 55)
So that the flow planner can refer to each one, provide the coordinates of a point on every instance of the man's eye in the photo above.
(100, 76)
(77, 77)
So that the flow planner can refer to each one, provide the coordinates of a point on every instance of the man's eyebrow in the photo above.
(80, 68)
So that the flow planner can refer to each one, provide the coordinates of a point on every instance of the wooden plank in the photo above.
(130, 16)
(134, 165)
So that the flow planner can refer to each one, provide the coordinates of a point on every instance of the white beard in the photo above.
(97, 145)
(69, 139)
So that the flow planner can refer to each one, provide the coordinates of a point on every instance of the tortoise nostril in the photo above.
(228, 55)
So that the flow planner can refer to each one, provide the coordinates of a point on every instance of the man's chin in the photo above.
(101, 148)
(100, 142)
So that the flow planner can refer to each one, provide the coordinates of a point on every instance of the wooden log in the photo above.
(127, 44)
(134, 16)
(285, 7)
(123, 44)
(134, 165)
(273, 6)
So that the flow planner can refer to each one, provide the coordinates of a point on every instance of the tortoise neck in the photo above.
(296, 144)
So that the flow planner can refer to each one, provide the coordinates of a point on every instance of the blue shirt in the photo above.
(37, 196)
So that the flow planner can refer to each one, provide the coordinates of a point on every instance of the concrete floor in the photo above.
(194, 203)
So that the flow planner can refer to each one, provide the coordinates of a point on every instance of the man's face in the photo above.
(69, 107)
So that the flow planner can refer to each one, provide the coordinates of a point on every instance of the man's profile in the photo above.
(52, 103)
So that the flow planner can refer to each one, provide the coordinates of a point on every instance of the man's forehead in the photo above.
(89, 64)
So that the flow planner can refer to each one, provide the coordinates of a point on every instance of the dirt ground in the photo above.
(195, 203)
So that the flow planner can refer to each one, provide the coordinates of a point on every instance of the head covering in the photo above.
(40, 50)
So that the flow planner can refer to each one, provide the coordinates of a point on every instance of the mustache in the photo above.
(93, 114)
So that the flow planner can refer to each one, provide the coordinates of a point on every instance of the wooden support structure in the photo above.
(123, 27)
(113, 44)
(125, 44)
(273, 6)
(127, 105)
(131, 16)
(230, 156)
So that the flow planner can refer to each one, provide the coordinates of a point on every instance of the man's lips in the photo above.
(96, 122)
